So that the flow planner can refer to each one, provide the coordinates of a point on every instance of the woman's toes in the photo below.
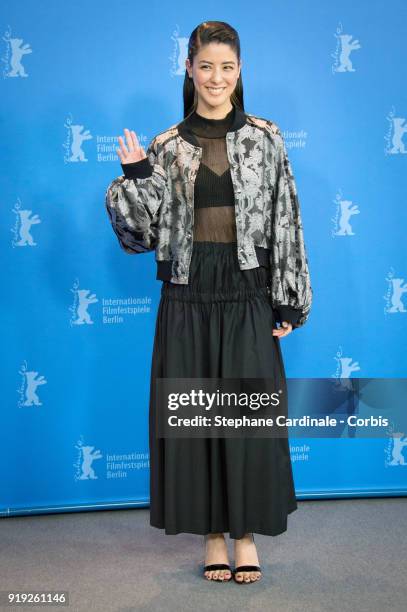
(248, 576)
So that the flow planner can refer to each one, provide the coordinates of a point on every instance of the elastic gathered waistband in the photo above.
(185, 294)
(208, 244)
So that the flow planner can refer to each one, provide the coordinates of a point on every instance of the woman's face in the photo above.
(215, 71)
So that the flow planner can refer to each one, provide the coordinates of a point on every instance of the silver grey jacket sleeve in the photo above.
(290, 277)
(133, 202)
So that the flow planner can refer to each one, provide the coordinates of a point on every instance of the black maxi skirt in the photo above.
(219, 325)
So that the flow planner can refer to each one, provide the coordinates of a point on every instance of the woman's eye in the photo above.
(226, 67)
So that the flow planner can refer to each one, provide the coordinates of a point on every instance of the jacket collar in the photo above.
(186, 133)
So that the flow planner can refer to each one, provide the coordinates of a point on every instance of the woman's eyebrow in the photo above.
(208, 62)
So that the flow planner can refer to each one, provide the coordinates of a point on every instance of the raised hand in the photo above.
(133, 152)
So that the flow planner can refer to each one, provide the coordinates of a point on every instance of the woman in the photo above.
(225, 175)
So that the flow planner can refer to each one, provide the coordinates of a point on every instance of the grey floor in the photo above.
(337, 555)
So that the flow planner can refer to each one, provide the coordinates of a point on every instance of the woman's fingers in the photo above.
(134, 139)
(283, 331)
(123, 149)
(119, 153)
(137, 146)
(129, 140)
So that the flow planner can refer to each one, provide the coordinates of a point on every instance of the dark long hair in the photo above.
(205, 33)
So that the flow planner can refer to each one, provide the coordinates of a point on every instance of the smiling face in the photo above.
(215, 72)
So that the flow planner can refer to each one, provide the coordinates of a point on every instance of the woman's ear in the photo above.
(188, 67)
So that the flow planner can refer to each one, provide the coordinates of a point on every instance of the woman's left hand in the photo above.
(284, 330)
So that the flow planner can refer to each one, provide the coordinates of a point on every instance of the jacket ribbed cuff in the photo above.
(288, 313)
(139, 169)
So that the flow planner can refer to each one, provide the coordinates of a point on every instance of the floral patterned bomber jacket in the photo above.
(151, 207)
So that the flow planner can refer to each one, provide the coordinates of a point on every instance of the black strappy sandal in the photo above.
(246, 568)
(217, 566)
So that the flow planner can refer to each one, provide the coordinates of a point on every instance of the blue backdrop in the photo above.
(79, 313)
